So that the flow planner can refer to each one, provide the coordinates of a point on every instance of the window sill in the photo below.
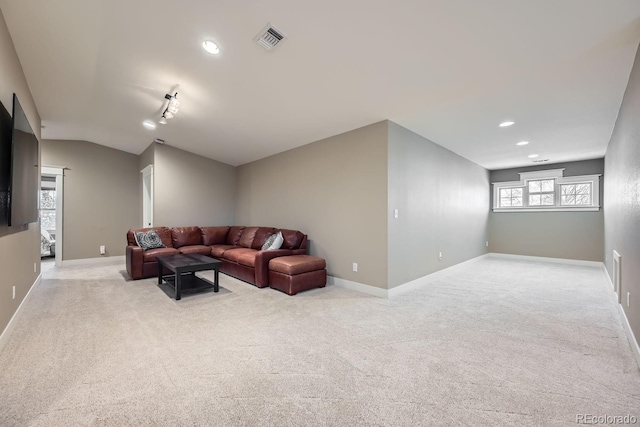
(549, 209)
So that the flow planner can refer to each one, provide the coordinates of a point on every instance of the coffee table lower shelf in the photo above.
(189, 284)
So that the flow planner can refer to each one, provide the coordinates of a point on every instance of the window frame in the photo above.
(511, 196)
(557, 175)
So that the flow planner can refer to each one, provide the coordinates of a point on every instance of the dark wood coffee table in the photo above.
(184, 268)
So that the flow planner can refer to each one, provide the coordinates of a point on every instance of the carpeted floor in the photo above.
(503, 343)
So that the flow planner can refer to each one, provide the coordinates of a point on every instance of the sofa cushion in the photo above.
(152, 254)
(248, 258)
(244, 256)
(185, 236)
(148, 240)
(214, 235)
(261, 236)
(163, 232)
(248, 234)
(219, 250)
(292, 238)
(196, 249)
(233, 237)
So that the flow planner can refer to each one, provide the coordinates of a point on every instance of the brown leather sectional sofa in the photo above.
(238, 247)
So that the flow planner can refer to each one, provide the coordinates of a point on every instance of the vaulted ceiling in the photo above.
(449, 70)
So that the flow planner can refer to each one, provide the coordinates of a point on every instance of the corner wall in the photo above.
(19, 246)
(333, 190)
(101, 197)
(622, 197)
(442, 202)
(568, 235)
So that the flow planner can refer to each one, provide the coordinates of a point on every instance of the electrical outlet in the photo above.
(355, 267)
(439, 256)
(628, 298)
(486, 243)
(35, 270)
(14, 292)
(102, 249)
(395, 213)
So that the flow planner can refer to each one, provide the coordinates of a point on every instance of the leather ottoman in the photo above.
(296, 273)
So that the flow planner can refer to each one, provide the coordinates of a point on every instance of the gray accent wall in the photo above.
(442, 201)
(101, 196)
(191, 189)
(19, 246)
(568, 235)
(622, 197)
(333, 190)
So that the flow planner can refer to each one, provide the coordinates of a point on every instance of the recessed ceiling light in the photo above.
(211, 47)
(522, 143)
(533, 156)
(149, 124)
(506, 124)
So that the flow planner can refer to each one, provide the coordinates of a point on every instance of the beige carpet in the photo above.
(502, 343)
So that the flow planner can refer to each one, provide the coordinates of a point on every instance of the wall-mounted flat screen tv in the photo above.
(5, 163)
(24, 189)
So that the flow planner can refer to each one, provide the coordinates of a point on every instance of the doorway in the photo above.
(617, 280)
(51, 197)
(147, 196)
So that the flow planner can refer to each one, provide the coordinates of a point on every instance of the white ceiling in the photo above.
(449, 70)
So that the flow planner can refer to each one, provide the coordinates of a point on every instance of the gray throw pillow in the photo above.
(148, 240)
(269, 242)
(274, 241)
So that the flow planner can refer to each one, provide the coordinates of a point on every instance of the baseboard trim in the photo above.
(14, 319)
(88, 261)
(357, 286)
(633, 343)
(546, 259)
(606, 277)
(425, 280)
(628, 331)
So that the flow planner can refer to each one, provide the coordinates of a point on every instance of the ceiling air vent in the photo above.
(269, 37)
(541, 161)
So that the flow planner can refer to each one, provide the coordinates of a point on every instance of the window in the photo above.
(541, 192)
(511, 197)
(575, 194)
(547, 191)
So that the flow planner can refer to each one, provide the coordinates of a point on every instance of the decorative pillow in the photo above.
(148, 240)
(269, 241)
(274, 241)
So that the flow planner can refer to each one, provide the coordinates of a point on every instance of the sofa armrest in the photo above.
(262, 264)
(134, 261)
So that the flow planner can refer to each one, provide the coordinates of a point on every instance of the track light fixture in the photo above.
(172, 108)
